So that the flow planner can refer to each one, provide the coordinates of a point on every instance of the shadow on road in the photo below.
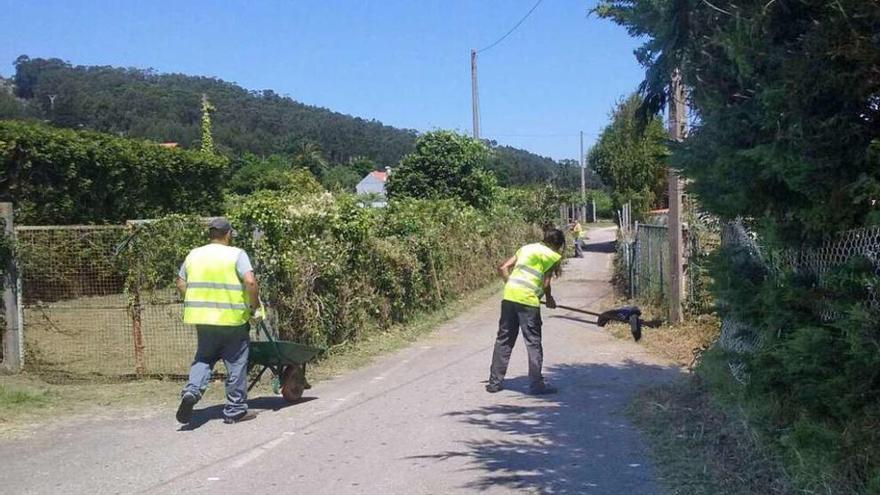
(600, 247)
(215, 412)
(577, 441)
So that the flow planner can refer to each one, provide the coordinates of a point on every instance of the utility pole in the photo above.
(583, 181)
(677, 120)
(475, 95)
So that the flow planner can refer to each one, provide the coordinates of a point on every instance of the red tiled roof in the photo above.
(383, 176)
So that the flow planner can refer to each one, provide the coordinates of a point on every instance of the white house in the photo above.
(373, 183)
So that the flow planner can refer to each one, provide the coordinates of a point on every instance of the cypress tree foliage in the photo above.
(786, 133)
(786, 103)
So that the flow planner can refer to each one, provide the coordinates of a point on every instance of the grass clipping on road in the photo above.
(700, 445)
(702, 448)
(682, 343)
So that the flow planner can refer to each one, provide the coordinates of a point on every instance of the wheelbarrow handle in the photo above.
(576, 310)
(265, 328)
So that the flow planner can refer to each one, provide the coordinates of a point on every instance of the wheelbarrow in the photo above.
(285, 360)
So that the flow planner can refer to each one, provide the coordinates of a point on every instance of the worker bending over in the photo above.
(220, 294)
(527, 277)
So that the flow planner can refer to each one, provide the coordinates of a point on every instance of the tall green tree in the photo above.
(341, 178)
(445, 164)
(361, 165)
(272, 173)
(310, 157)
(630, 157)
(786, 103)
(786, 134)
(207, 145)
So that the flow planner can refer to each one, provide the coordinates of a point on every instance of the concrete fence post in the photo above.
(13, 350)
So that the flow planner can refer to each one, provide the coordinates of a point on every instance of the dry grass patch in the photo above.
(682, 343)
(703, 449)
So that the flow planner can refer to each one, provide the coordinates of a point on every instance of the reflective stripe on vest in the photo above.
(214, 294)
(526, 282)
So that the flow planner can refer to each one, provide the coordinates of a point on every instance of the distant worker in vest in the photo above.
(577, 232)
(220, 296)
(527, 278)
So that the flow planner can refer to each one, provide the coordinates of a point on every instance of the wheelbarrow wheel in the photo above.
(293, 382)
(635, 327)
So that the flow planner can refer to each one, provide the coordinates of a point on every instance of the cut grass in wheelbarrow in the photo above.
(285, 360)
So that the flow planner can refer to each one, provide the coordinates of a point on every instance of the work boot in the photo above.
(543, 389)
(494, 387)
(185, 410)
(245, 416)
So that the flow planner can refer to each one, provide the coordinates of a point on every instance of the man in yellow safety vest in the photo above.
(578, 233)
(527, 277)
(220, 295)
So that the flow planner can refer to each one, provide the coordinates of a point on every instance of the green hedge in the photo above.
(59, 176)
(332, 269)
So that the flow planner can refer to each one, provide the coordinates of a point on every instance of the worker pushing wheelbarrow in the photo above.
(221, 297)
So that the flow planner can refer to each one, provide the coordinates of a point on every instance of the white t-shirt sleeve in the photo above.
(243, 264)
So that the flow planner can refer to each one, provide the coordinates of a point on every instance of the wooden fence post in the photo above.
(13, 352)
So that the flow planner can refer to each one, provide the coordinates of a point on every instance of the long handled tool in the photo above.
(624, 314)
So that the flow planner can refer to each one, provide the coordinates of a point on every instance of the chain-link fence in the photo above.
(646, 257)
(651, 264)
(739, 338)
(78, 316)
(75, 312)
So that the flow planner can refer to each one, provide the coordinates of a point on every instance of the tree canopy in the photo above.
(785, 99)
(274, 173)
(630, 157)
(445, 165)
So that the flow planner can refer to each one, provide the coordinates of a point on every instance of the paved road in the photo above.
(415, 422)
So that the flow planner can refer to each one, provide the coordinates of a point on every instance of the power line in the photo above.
(499, 40)
(539, 135)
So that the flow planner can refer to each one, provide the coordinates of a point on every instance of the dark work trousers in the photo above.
(231, 345)
(516, 317)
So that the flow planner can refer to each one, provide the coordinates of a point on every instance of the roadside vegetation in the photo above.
(785, 137)
(338, 274)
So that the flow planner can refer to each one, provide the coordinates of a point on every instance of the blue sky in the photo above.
(404, 62)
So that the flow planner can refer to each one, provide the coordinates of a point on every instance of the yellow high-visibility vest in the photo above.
(526, 282)
(214, 293)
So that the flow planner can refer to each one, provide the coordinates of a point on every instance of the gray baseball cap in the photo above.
(221, 224)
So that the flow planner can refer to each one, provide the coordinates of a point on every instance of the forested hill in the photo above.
(166, 107)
